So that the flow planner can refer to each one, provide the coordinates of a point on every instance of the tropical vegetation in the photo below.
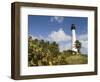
(45, 53)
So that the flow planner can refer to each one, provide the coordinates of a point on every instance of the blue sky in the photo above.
(58, 28)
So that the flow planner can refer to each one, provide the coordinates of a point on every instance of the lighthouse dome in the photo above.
(72, 26)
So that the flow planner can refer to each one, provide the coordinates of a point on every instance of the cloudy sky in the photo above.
(57, 28)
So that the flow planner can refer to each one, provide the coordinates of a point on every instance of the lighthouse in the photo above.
(73, 37)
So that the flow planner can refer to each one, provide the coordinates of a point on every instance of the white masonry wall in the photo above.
(73, 40)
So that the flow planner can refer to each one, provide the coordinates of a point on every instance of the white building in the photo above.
(73, 37)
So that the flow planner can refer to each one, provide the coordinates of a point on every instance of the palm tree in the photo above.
(78, 45)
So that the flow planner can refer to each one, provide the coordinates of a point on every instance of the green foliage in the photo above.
(44, 53)
(78, 45)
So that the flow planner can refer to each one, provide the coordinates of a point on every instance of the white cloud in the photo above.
(59, 36)
(33, 37)
(83, 37)
(84, 40)
(84, 50)
(64, 46)
(58, 19)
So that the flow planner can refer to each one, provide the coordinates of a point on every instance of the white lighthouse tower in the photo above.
(73, 38)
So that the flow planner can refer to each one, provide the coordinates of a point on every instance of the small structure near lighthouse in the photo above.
(73, 28)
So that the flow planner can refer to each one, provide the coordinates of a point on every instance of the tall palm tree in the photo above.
(78, 45)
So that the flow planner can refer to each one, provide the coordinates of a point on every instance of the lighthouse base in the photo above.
(74, 50)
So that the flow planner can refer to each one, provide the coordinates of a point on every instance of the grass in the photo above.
(77, 59)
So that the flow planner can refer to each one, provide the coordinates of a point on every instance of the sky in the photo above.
(58, 29)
